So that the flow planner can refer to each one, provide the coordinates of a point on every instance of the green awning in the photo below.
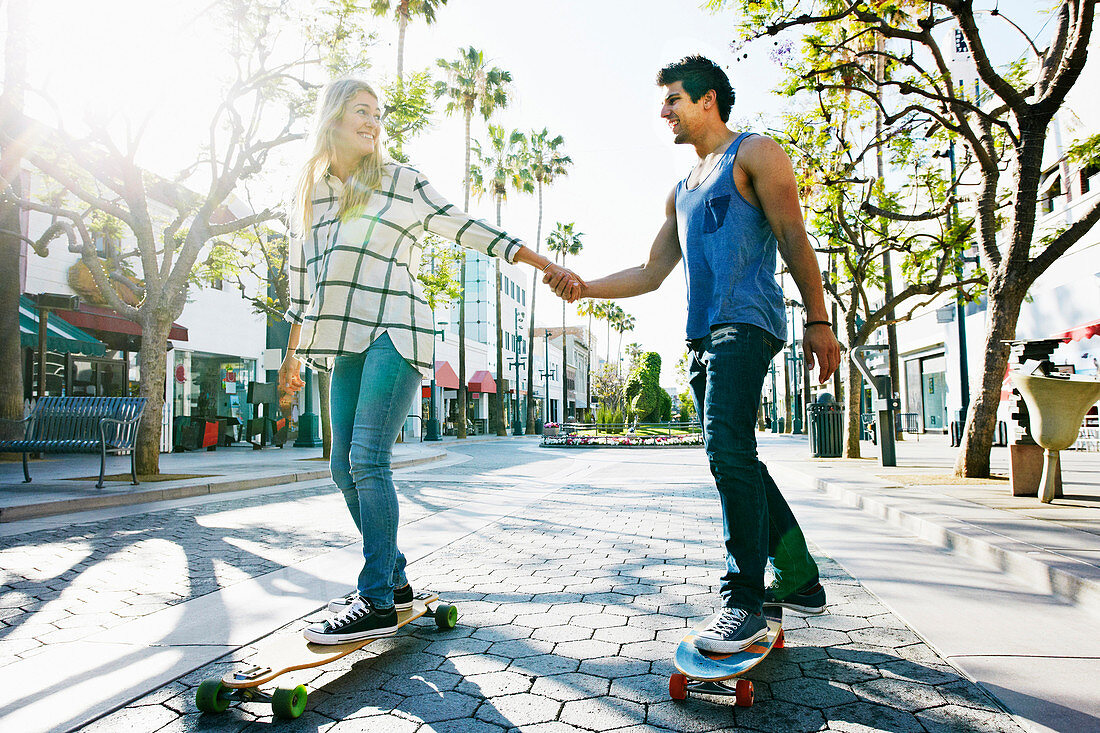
(61, 337)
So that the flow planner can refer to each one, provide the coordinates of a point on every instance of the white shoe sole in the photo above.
(807, 610)
(728, 647)
(318, 637)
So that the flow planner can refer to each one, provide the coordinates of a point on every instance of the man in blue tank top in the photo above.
(736, 210)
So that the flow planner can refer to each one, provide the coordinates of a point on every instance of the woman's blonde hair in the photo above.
(364, 179)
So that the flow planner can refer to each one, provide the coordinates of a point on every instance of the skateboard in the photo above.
(284, 653)
(710, 672)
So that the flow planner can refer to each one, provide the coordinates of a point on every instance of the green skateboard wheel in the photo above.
(208, 698)
(288, 704)
(446, 616)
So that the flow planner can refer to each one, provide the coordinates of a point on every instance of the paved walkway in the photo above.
(66, 483)
(576, 572)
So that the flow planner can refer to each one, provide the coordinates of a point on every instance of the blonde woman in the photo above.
(357, 308)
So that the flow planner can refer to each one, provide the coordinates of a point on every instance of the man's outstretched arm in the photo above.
(663, 256)
(773, 181)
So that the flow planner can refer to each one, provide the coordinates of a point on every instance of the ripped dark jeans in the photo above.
(727, 374)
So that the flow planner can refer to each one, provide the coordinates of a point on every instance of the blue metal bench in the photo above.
(80, 425)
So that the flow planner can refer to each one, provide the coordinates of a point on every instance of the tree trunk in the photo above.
(402, 24)
(531, 333)
(152, 359)
(853, 394)
(11, 107)
(461, 427)
(496, 406)
(564, 362)
(324, 385)
(972, 459)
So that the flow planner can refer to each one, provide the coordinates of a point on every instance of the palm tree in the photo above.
(623, 322)
(564, 241)
(496, 171)
(546, 160)
(403, 11)
(469, 85)
(589, 307)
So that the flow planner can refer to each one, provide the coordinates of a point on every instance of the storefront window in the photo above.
(212, 386)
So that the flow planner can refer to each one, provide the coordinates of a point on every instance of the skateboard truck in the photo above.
(251, 673)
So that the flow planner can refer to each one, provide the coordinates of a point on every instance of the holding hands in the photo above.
(289, 381)
(565, 283)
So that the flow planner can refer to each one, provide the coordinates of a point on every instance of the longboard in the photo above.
(283, 653)
(709, 672)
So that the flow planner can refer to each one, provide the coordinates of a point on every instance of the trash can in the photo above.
(826, 430)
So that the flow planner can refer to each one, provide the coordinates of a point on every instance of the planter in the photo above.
(550, 432)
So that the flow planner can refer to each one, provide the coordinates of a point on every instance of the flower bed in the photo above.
(622, 441)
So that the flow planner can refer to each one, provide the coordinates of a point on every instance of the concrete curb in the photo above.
(65, 506)
(1043, 569)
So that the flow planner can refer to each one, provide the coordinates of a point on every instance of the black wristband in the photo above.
(817, 323)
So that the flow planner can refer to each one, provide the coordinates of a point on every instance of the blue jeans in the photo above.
(369, 399)
(726, 377)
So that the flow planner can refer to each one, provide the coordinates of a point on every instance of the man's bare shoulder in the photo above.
(760, 151)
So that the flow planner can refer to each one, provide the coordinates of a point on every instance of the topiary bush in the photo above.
(643, 389)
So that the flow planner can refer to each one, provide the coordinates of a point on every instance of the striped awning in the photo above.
(61, 337)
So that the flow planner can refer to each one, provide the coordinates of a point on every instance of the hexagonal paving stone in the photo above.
(520, 648)
(925, 673)
(776, 716)
(641, 688)
(863, 717)
(900, 694)
(545, 664)
(563, 633)
(570, 686)
(815, 693)
(614, 667)
(810, 636)
(601, 713)
(834, 622)
(350, 704)
(519, 710)
(647, 650)
(472, 664)
(599, 620)
(840, 670)
(492, 684)
(877, 636)
(958, 719)
(625, 634)
(690, 716)
(587, 649)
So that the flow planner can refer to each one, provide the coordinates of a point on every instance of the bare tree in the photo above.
(1004, 127)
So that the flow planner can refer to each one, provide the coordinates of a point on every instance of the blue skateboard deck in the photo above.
(707, 672)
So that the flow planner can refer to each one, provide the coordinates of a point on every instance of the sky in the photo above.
(584, 69)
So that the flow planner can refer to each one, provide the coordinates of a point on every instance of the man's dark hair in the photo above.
(699, 75)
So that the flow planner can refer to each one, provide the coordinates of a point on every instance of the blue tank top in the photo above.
(729, 254)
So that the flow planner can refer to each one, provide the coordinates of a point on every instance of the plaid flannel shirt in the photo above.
(352, 280)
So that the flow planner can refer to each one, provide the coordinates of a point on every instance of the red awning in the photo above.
(1080, 333)
(445, 377)
(482, 381)
(98, 318)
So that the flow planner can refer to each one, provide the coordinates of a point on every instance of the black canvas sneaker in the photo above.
(810, 598)
(358, 622)
(402, 599)
(732, 630)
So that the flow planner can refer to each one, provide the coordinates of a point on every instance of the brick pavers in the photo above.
(65, 584)
(570, 611)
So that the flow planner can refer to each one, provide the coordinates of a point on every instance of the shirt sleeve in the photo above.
(298, 280)
(448, 221)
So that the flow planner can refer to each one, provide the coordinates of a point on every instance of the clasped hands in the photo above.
(289, 381)
(565, 283)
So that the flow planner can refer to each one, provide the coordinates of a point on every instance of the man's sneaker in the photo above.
(810, 598)
(359, 621)
(732, 630)
(402, 600)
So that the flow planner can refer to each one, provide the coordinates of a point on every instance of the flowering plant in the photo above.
(622, 441)
(551, 425)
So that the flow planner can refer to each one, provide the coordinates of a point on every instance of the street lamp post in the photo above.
(796, 419)
(546, 368)
(517, 427)
(431, 430)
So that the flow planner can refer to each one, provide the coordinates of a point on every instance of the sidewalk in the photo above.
(62, 483)
(1053, 548)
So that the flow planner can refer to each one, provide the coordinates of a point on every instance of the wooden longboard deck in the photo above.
(718, 666)
(284, 653)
